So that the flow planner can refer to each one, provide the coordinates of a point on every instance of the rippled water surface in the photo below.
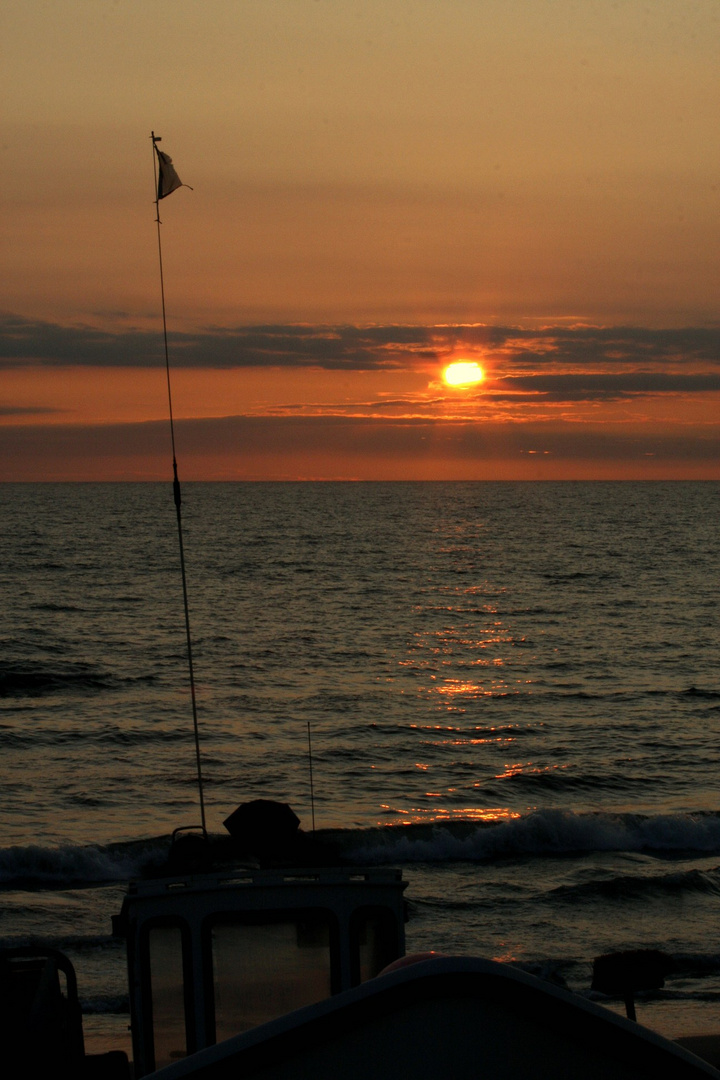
(512, 690)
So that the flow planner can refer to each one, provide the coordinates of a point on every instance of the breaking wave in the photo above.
(542, 833)
(33, 866)
(547, 832)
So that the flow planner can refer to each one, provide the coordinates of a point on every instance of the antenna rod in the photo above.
(176, 491)
(312, 792)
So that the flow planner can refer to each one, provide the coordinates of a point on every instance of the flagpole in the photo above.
(176, 488)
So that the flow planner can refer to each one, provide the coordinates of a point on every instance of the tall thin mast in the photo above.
(167, 182)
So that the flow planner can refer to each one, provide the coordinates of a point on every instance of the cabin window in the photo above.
(262, 970)
(373, 942)
(167, 994)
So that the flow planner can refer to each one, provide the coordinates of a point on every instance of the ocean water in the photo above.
(513, 693)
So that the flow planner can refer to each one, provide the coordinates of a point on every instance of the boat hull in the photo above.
(458, 1017)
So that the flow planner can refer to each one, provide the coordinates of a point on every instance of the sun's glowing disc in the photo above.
(463, 373)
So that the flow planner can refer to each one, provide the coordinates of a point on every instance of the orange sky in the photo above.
(379, 189)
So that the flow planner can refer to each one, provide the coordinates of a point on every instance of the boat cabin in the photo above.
(213, 955)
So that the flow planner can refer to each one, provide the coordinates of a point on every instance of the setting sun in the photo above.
(463, 373)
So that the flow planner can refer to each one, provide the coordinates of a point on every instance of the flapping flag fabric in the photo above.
(168, 179)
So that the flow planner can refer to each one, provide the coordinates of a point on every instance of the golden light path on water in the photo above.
(439, 815)
(483, 647)
(415, 815)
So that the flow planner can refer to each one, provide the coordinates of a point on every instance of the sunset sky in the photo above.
(380, 188)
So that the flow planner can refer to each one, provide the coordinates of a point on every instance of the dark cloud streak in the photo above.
(24, 341)
(606, 387)
(353, 348)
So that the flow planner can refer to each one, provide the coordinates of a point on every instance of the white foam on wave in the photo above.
(553, 832)
(65, 864)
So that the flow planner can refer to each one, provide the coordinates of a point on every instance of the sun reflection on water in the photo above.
(511, 954)
(459, 686)
(455, 736)
(528, 768)
(417, 815)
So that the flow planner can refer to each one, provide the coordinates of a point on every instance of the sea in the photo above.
(511, 691)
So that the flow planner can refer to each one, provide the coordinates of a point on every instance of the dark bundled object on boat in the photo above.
(270, 831)
(261, 831)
